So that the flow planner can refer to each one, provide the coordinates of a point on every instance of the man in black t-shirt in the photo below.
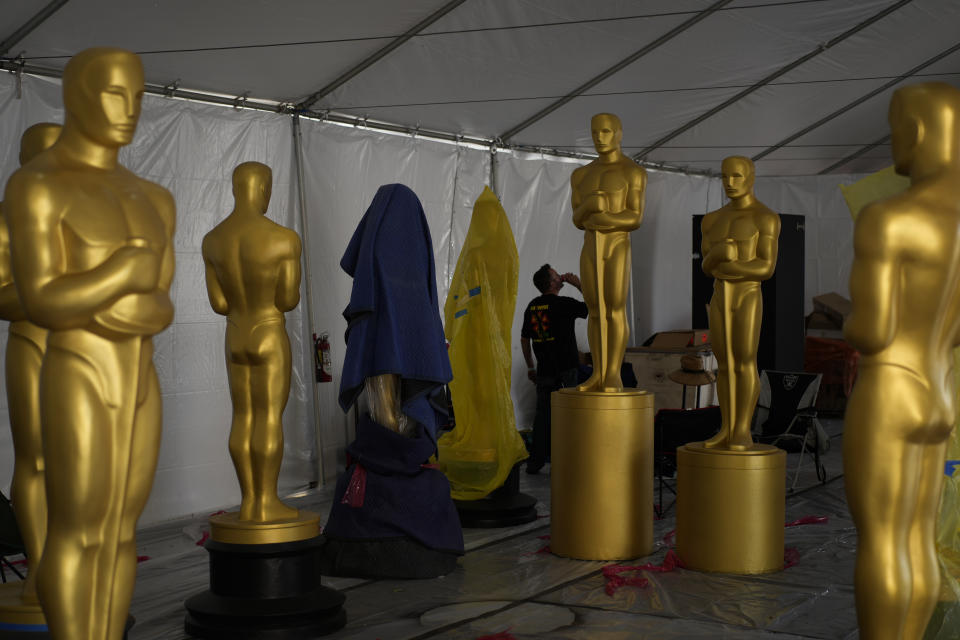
(548, 323)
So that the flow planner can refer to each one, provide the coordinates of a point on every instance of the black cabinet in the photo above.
(782, 332)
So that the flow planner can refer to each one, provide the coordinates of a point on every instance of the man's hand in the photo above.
(571, 278)
(532, 375)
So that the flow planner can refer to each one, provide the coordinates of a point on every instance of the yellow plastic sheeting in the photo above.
(882, 184)
(945, 619)
(480, 451)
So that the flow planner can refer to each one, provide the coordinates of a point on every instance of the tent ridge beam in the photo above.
(847, 107)
(31, 24)
(683, 26)
(348, 75)
(770, 78)
(856, 154)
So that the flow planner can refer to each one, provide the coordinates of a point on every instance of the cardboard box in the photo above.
(821, 325)
(834, 306)
(653, 365)
(696, 338)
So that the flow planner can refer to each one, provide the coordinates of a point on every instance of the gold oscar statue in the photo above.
(253, 277)
(739, 251)
(607, 204)
(25, 348)
(92, 255)
(602, 434)
(730, 502)
(905, 321)
(382, 394)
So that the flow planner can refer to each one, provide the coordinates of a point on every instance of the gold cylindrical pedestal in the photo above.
(228, 528)
(15, 615)
(730, 508)
(601, 474)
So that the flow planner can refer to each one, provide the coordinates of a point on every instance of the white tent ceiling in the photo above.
(800, 85)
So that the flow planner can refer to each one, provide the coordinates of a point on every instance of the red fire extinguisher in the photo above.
(321, 353)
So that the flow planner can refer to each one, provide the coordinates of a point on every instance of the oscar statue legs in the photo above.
(735, 346)
(897, 575)
(102, 431)
(27, 490)
(616, 278)
(596, 320)
(608, 256)
(259, 392)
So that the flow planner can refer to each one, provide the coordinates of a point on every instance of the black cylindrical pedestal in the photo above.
(504, 507)
(265, 592)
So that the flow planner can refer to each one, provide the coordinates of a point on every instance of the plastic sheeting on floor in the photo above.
(509, 584)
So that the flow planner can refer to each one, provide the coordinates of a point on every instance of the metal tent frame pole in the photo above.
(305, 225)
(173, 91)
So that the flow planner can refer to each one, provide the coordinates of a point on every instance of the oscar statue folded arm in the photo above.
(288, 285)
(10, 303)
(52, 298)
(716, 252)
(218, 300)
(583, 207)
(760, 268)
(874, 284)
(167, 210)
(594, 216)
(10, 308)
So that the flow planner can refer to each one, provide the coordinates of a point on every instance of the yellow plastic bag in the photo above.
(485, 445)
(946, 618)
(882, 184)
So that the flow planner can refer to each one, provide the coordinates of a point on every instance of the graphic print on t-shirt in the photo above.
(540, 323)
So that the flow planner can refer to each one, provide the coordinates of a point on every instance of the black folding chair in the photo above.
(786, 417)
(671, 429)
(11, 543)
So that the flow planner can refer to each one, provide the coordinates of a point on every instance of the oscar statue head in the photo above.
(102, 91)
(607, 132)
(923, 127)
(252, 185)
(737, 173)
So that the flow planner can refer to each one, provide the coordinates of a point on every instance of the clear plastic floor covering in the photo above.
(509, 586)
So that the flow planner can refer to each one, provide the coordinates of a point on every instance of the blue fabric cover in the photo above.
(401, 497)
(393, 316)
(394, 327)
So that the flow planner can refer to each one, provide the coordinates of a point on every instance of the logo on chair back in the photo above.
(790, 381)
